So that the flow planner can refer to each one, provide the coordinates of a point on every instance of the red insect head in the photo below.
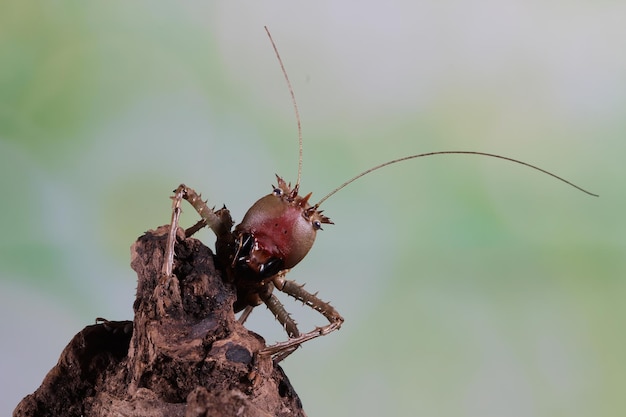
(277, 231)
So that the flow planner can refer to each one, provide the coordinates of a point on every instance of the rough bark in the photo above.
(183, 355)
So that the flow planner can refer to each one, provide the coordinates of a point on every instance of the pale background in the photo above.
(470, 286)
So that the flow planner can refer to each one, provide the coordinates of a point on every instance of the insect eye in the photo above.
(317, 225)
(277, 192)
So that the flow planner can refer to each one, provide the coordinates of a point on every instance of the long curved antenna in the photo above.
(448, 153)
(295, 108)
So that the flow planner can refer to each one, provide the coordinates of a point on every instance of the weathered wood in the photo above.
(183, 355)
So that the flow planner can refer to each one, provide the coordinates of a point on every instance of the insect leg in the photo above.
(168, 265)
(193, 229)
(219, 221)
(245, 314)
(281, 350)
(281, 314)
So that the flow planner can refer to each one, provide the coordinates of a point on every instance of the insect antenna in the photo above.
(351, 180)
(327, 196)
(295, 108)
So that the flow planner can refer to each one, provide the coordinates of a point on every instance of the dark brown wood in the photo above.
(183, 355)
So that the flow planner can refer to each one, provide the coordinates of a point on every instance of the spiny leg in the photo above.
(218, 220)
(284, 318)
(168, 265)
(281, 350)
(282, 315)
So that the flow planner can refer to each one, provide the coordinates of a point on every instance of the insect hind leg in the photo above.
(281, 350)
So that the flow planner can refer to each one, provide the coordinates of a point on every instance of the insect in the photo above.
(275, 234)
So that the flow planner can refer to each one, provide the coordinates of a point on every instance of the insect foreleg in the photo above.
(168, 265)
(281, 350)
(219, 221)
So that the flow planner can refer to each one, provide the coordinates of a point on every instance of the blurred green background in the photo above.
(470, 286)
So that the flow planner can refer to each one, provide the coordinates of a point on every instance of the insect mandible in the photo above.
(275, 234)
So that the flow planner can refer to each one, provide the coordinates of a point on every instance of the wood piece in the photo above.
(183, 355)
